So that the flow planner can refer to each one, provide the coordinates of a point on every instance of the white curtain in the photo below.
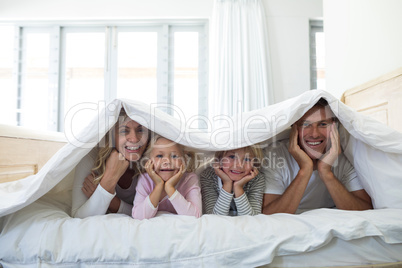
(240, 78)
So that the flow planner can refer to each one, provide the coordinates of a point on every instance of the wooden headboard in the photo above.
(24, 151)
(380, 98)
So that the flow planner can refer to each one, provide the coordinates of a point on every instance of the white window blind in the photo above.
(55, 70)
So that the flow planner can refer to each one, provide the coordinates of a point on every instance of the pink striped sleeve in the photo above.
(142, 206)
(187, 198)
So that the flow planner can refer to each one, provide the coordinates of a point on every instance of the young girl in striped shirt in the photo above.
(233, 186)
(165, 185)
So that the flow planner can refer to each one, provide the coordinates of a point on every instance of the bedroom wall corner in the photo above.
(288, 33)
(363, 41)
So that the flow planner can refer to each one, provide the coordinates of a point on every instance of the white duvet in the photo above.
(36, 228)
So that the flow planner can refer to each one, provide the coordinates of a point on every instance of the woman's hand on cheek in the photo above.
(149, 167)
(116, 165)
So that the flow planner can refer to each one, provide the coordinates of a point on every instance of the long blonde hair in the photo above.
(106, 149)
(188, 154)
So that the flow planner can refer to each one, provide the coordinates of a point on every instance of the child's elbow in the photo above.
(198, 214)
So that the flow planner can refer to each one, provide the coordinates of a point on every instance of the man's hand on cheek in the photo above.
(301, 157)
(329, 158)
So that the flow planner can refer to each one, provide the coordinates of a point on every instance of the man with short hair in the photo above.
(314, 171)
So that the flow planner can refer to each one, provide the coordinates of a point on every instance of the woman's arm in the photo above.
(98, 203)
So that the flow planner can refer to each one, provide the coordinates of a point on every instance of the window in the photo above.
(8, 100)
(49, 73)
(317, 55)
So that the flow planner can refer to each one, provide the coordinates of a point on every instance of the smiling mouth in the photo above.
(132, 148)
(314, 143)
(166, 170)
(236, 172)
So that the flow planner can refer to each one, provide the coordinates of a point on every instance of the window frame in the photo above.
(315, 26)
(165, 76)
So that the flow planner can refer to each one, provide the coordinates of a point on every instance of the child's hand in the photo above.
(246, 178)
(149, 167)
(172, 182)
(219, 172)
(227, 183)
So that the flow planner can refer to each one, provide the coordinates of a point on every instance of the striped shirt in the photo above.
(216, 200)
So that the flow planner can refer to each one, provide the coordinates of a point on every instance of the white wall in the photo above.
(288, 32)
(288, 26)
(363, 41)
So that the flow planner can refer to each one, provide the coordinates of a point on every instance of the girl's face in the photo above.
(167, 157)
(131, 139)
(237, 164)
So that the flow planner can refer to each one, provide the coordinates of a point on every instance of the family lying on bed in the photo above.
(131, 173)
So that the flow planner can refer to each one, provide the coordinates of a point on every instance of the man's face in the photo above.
(314, 131)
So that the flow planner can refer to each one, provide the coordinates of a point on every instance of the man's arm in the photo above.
(289, 201)
(343, 199)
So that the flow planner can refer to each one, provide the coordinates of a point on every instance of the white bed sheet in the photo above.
(43, 234)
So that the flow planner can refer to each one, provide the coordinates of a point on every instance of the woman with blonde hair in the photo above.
(106, 178)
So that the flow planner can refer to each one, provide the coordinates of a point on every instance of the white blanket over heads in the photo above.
(374, 149)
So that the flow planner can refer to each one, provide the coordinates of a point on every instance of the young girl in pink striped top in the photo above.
(168, 183)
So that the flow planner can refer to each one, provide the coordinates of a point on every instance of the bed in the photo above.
(379, 98)
(37, 230)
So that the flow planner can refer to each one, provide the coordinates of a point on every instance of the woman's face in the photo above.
(131, 139)
(167, 158)
(237, 164)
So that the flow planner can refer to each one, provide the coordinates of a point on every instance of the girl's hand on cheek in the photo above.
(149, 167)
(221, 174)
(226, 181)
(156, 193)
(172, 182)
(247, 178)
